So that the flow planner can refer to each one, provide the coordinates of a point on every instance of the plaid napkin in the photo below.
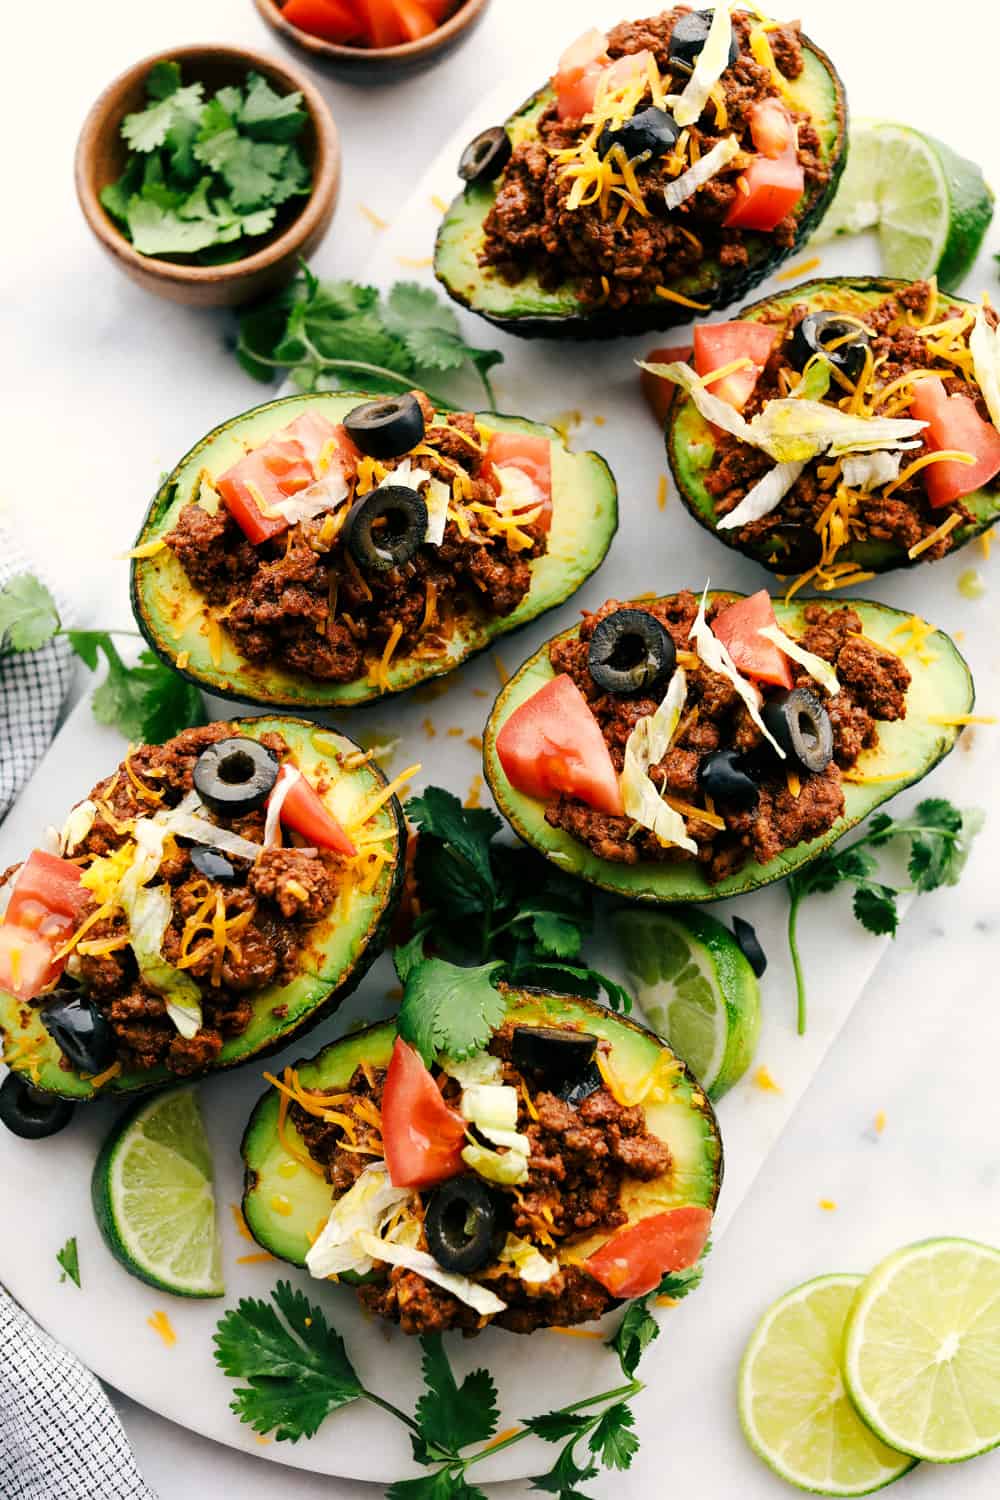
(59, 1436)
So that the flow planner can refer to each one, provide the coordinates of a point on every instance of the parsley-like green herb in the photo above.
(940, 836)
(146, 702)
(204, 176)
(329, 335)
(69, 1258)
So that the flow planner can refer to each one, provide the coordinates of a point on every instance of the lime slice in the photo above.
(154, 1199)
(922, 1350)
(931, 206)
(795, 1412)
(695, 988)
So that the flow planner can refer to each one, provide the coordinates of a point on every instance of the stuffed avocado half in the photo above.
(324, 550)
(892, 374)
(666, 168)
(571, 1163)
(676, 750)
(212, 897)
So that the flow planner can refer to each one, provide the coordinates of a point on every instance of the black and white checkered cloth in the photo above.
(59, 1436)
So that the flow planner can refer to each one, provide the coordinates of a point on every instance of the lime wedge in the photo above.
(931, 206)
(922, 1350)
(154, 1199)
(795, 1412)
(695, 988)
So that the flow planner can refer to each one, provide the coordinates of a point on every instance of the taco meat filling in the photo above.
(312, 596)
(572, 206)
(582, 1155)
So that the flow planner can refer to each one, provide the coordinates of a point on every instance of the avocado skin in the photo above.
(874, 556)
(919, 743)
(266, 688)
(659, 315)
(374, 1044)
(279, 1030)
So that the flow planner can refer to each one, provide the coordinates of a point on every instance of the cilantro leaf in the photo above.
(613, 1438)
(446, 1484)
(469, 830)
(633, 1336)
(565, 1474)
(157, 230)
(556, 936)
(28, 614)
(677, 1284)
(163, 79)
(875, 908)
(268, 115)
(452, 1416)
(938, 853)
(69, 1258)
(298, 1369)
(147, 702)
(553, 1426)
(146, 129)
(447, 1008)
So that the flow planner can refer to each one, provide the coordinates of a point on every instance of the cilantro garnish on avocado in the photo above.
(205, 174)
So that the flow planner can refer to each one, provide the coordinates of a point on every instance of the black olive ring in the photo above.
(385, 529)
(235, 776)
(387, 428)
(630, 653)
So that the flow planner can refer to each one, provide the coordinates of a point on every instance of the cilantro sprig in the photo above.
(205, 175)
(146, 702)
(493, 914)
(69, 1259)
(939, 836)
(328, 335)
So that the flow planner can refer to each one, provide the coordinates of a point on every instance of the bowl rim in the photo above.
(325, 181)
(467, 12)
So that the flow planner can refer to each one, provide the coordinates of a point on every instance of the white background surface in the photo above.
(104, 387)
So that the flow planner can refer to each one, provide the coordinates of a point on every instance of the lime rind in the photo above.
(793, 1407)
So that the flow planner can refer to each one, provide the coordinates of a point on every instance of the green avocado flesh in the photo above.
(173, 616)
(691, 445)
(526, 307)
(684, 1120)
(906, 751)
(337, 953)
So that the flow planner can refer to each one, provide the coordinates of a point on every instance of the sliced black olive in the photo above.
(688, 38)
(486, 156)
(215, 866)
(559, 1054)
(235, 776)
(386, 528)
(818, 331)
(575, 1091)
(792, 547)
(29, 1113)
(750, 947)
(460, 1223)
(630, 653)
(80, 1031)
(724, 775)
(651, 130)
(801, 726)
(387, 428)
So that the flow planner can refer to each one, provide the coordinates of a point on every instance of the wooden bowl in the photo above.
(378, 64)
(272, 262)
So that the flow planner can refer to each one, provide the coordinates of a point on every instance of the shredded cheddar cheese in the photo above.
(682, 301)
(802, 268)
(661, 492)
(161, 1325)
(384, 795)
(957, 721)
(945, 529)
(763, 1080)
(654, 1087)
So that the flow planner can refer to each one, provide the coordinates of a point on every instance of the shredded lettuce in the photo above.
(796, 428)
(506, 1170)
(287, 778)
(984, 343)
(815, 381)
(364, 1209)
(321, 496)
(477, 1297)
(817, 666)
(77, 826)
(864, 471)
(201, 831)
(712, 408)
(518, 491)
(646, 746)
(526, 1261)
(715, 656)
(437, 498)
(491, 1106)
(481, 1067)
(766, 495)
(681, 188)
(149, 915)
(712, 63)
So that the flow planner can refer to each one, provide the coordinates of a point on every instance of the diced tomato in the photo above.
(423, 1136)
(46, 906)
(26, 964)
(624, 69)
(381, 22)
(636, 1259)
(720, 344)
(954, 423)
(281, 467)
(659, 393)
(314, 434)
(533, 456)
(771, 127)
(331, 20)
(440, 9)
(553, 743)
(304, 810)
(415, 20)
(738, 628)
(768, 190)
(580, 68)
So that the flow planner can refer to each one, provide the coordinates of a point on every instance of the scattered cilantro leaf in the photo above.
(158, 230)
(677, 1284)
(453, 1416)
(875, 909)
(448, 1008)
(554, 1426)
(446, 1484)
(69, 1258)
(565, 1474)
(266, 114)
(633, 1336)
(147, 128)
(467, 830)
(28, 614)
(556, 936)
(613, 1437)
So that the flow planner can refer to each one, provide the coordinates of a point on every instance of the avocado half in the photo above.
(691, 442)
(339, 952)
(907, 750)
(529, 309)
(685, 1121)
(174, 617)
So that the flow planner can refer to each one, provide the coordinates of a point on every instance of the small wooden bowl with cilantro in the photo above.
(207, 173)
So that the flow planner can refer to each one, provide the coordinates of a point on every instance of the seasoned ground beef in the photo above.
(873, 689)
(275, 899)
(301, 602)
(906, 516)
(615, 258)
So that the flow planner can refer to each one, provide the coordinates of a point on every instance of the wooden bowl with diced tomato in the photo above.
(373, 41)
